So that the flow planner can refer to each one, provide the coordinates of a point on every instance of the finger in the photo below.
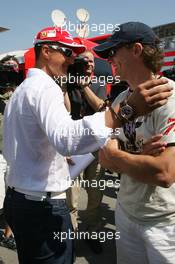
(158, 97)
(158, 151)
(152, 83)
(156, 144)
(148, 148)
(153, 139)
(159, 144)
(157, 104)
(160, 89)
(156, 137)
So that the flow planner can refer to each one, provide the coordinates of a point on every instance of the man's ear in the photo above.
(45, 51)
(137, 49)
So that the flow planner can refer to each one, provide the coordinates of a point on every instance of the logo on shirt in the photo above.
(132, 145)
(170, 127)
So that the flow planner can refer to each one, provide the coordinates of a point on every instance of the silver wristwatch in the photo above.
(126, 111)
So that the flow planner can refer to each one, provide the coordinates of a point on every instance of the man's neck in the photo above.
(44, 68)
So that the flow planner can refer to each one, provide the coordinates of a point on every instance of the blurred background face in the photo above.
(13, 64)
(90, 60)
(9, 73)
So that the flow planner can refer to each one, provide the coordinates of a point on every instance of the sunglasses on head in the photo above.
(66, 51)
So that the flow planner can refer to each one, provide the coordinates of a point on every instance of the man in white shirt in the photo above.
(145, 215)
(39, 133)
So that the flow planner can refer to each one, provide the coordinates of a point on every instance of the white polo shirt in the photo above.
(38, 133)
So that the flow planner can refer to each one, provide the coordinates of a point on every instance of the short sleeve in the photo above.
(164, 119)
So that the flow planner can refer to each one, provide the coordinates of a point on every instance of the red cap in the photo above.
(57, 34)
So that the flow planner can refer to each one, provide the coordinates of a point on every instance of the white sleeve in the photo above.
(69, 137)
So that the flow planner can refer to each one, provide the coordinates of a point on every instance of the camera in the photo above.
(78, 67)
(6, 67)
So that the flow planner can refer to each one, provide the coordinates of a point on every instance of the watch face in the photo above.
(126, 111)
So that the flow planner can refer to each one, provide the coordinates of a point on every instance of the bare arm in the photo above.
(94, 101)
(159, 170)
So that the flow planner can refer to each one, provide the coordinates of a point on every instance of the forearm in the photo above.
(143, 168)
(111, 119)
(94, 101)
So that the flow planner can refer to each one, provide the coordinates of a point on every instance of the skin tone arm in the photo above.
(154, 170)
(94, 101)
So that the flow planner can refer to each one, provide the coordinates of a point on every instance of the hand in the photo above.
(150, 95)
(106, 153)
(154, 146)
(111, 146)
(70, 161)
(83, 82)
(104, 161)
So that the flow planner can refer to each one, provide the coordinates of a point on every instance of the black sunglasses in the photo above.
(66, 51)
(113, 51)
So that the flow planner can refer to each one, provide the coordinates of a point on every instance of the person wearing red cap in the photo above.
(38, 134)
(145, 212)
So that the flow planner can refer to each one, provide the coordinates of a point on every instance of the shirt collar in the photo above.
(36, 71)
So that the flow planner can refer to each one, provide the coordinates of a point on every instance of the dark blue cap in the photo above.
(130, 32)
